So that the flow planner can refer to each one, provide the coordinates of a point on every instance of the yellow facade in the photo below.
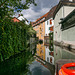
(40, 32)
(39, 27)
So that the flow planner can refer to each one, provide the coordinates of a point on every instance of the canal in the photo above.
(37, 60)
(17, 65)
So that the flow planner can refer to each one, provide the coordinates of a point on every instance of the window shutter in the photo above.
(51, 21)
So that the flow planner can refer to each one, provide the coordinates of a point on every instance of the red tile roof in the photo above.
(35, 23)
(15, 19)
(42, 17)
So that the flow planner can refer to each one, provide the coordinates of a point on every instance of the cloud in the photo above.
(34, 12)
(32, 15)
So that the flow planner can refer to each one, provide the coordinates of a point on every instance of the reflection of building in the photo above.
(64, 33)
(49, 55)
(41, 51)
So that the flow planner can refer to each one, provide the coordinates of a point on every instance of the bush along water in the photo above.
(13, 37)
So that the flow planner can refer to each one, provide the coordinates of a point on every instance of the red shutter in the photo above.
(51, 28)
(51, 21)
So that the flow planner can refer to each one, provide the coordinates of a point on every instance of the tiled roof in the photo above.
(15, 19)
(35, 23)
(51, 12)
(42, 17)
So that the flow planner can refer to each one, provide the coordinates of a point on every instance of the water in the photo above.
(16, 65)
(44, 53)
(19, 64)
(62, 53)
(37, 69)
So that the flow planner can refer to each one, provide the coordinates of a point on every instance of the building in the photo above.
(63, 9)
(66, 48)
(63, 36)
(21, 18)
(15, 19)
(49, 24)
(39, 27)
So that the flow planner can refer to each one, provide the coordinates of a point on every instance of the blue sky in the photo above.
(34, 12)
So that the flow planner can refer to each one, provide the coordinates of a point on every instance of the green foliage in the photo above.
(9, 7)
(13, 38)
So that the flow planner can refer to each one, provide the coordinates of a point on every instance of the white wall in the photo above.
(22, 18)
(47, 30)
(57, 26)
(62, 13)
(68, 9)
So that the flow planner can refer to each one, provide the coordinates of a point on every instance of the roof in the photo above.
(15, 19)
(35, 23)
(63, 3)
(42, 17)
(22, 18)
(68, 16)
(50, 14)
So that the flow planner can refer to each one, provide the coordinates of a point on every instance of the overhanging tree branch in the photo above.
(3, 3)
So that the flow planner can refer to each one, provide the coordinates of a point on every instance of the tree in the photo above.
(7, 7)
(17, 4)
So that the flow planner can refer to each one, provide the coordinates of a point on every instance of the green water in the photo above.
(16, 65)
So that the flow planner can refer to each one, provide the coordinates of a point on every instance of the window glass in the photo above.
(47, 22)
(48, 59)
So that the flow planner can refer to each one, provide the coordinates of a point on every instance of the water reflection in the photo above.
(44, 53)
(37, 69)
(49, 55)
(16, 65)
(62, 53)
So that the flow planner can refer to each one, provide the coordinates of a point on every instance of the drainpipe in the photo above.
(63, 12)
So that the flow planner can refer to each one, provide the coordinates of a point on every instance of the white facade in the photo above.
(62, 13)
(22, 18)
(48, 25)
(48, 56)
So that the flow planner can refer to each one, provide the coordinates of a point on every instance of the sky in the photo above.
(35, 12)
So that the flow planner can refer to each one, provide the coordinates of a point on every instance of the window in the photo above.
(41, 51)
(51, 21)
(49, 53)
(42, 56)
(49, 28)
(47, 22)
(48, 59)
(41, 35)
(51, 59)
